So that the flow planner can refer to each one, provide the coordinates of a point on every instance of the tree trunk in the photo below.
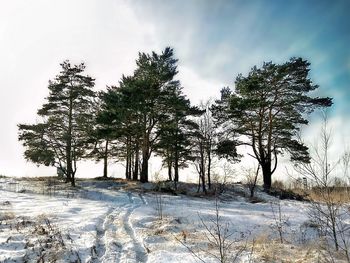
(130, 162)
(70, 174)
(105, 168)
(126, 167)
(73, 180)
(203, 183)
(266, 170)
(144, 167)
(333, 223)
(127, 160)
(105, 161)
(170, 174)
(199, 183)
(68, 171)
(169, 164)
(335, 236)
(176, 166)
(202, 167)
(176, 172)
(135, 175)
(69, 168)
(209, 167)
(145, 158)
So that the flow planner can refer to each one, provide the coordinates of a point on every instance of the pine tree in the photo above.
(266, 112)
(175, 131)
(141, 105)
(62, 137)
(119, 112)
(104, 134)
(154, 73)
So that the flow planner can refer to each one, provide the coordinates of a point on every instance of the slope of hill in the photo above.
(117, 221)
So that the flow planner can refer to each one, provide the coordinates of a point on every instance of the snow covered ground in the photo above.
(108, 221)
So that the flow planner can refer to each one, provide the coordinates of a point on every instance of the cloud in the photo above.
(197, 87)
(37, 36)
(214, 41)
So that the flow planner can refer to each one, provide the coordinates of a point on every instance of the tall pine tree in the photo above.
(154, 73)
(62, 137)
(267, 110)
(176, 130)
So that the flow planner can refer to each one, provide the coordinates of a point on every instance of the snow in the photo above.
(103, 221)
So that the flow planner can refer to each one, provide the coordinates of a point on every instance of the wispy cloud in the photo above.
(214, 41)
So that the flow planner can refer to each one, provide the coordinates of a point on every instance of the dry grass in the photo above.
(6, 216)
(45, 241)
(271, 251)
(5, 211)
(277, 184)
(37, 178)
(340, 195)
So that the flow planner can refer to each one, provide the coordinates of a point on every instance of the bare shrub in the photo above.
(277, 184)
(222, 181)
(4, 216)
(159, 205)
(280, 221)
(273, 251)
(160, 186)
(327, 208)
(219, 237)
(203, 146)
(251, 179)
(44, 241)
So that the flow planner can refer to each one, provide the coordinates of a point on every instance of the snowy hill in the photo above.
(114, 221)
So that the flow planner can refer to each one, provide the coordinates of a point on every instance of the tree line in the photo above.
(147, 114)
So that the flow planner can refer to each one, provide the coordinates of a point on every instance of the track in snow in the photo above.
(116, 240)
(109, 239)
(133, 249)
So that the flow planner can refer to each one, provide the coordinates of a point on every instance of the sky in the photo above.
(213, 40)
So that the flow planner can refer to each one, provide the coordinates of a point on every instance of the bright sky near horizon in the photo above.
(213, 40)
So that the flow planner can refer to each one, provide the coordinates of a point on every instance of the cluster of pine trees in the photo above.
(148, 114)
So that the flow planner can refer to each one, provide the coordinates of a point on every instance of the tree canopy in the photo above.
(151, 112)
(61, 138)
(266, 111)
(147, 113)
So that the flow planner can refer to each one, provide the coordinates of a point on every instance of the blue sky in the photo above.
(214, 41)
(222, 38)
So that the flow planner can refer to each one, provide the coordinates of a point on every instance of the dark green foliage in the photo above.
(120, 112)
(62, 137)
(140, 105)
(104, 133)
(227, 149)
(267, 110)
(175, 131)
(154, 77)
(37, 149)
(148, 113)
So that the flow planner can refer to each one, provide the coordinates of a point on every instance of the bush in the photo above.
(287, 194)
(277, 184)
